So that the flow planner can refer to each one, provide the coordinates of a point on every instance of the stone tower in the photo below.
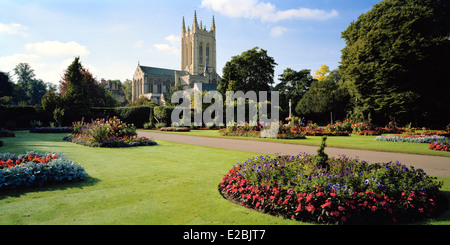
(198, 48)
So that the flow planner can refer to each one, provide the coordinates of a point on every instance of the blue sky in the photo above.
(112, 36)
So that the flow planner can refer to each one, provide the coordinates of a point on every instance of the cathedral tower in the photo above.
(198, 48)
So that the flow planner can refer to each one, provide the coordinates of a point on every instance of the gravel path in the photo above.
(432, 165)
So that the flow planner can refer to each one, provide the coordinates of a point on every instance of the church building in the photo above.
(198, 66)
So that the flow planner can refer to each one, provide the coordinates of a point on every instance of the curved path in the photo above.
(432, 165)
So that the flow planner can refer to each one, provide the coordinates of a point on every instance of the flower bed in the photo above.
(322, 132)
(6, 133)
(440, 145)
(369, 132)
(344, 126)
(34, 169)
(51, 130)
(411, 139)
(284, 131)
(107, 133)
(176, 129)
(348, 191)
(438, 132)
(110, 142)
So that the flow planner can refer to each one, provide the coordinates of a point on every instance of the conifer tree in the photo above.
(76, 95)
(322, 157)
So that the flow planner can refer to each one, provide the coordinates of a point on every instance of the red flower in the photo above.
(326, 205)
(335, 213)
(311, 208)
(341, 208)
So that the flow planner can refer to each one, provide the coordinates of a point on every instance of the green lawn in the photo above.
(353, 141)
(167, 184)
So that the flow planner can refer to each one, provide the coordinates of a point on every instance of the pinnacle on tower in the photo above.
(195, 25)
(183, 27)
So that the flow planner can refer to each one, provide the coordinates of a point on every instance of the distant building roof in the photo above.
(158, 71)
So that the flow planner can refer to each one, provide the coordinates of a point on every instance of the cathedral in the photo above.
(198, 66)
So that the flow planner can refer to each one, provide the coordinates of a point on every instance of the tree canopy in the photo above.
(394, 59)
(293, 85)
(253, 70)
(324, 99)
(80, 91)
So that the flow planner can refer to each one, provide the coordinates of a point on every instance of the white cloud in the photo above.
(267, 12)
(8, 63)
(169, 48)
(277, 31)
(55, 48)
(13, 29)
(173, 39)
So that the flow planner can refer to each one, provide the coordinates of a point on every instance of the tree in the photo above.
(324, 99)
(393, 61)
(6, 86)
(293, 85)
(75, 90)
(79, 82)
(51, 100)
(322, 73)
(29, 89)
(253, 70)
(127, 87)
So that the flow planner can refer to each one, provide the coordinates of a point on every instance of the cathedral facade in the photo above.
(198, 66)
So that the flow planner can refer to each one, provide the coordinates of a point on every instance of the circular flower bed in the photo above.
(34, 169)
(107, 133)
(345, 191)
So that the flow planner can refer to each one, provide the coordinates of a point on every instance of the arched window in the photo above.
(207, 54)
(200, 54)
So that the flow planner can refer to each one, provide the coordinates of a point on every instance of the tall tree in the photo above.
(253, 70)
(75, 90)
(30, 89)
(394, 58)
(293, 85)
(87, 88)
(326, 100)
